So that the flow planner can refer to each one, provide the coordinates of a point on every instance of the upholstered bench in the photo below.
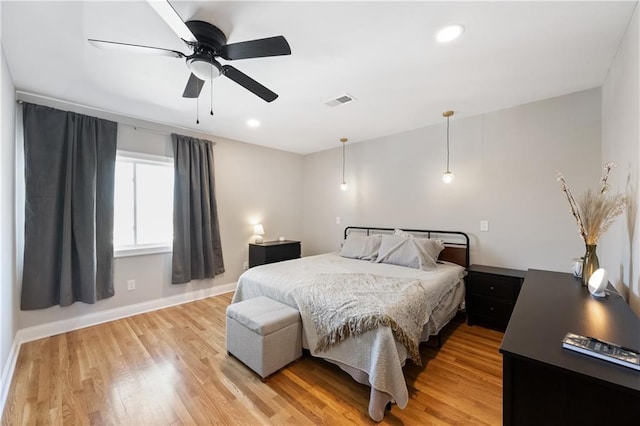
(264, 334)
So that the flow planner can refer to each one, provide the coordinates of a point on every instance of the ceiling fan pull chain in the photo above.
(211, 112)
(197, 110)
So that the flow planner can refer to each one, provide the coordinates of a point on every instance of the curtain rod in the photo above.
(135, 127)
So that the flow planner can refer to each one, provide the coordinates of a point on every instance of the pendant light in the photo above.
(447, 177)
(343, 185)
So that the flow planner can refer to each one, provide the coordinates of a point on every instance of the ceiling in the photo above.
(382, 53)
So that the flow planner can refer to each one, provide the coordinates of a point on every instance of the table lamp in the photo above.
(258, 231)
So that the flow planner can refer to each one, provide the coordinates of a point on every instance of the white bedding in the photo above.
(373, 358)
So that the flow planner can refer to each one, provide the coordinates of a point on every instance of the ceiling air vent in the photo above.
(340, 100)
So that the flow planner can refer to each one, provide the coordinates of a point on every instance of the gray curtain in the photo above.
(69, 178)
(197, 252)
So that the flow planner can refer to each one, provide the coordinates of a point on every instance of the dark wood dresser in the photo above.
(491, 295)
(544, 384)
(273, 251)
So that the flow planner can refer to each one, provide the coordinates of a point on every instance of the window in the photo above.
(143, 217)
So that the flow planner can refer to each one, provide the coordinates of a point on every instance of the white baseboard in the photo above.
(51, 329)
(7, 374)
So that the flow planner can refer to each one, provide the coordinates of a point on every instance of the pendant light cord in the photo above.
(343, 144)
(447, 144)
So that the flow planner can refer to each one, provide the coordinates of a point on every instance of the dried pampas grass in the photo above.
(594, 211)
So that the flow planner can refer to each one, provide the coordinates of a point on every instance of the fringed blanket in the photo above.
(345, 305)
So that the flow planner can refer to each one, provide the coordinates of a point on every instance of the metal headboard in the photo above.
(451, 247)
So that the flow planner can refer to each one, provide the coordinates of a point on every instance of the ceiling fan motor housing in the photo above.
(209, 36)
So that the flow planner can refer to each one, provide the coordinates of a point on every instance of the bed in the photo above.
(329, 285)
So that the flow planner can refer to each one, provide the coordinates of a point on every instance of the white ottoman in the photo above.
(264, 334)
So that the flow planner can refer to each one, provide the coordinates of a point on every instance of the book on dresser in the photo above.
(603, 350)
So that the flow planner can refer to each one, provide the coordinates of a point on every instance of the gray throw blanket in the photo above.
(345, 305)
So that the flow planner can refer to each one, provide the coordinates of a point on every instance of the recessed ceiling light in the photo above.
(449, 33)
(253, 123)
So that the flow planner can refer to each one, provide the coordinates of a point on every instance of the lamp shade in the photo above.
(258, 232)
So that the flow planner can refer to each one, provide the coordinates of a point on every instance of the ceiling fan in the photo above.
(207, 42)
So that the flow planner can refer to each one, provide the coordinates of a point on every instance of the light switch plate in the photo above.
(484, 225)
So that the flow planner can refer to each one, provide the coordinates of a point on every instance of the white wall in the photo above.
(505, 164)
(252, 184)
(8, 285)
(619, 249)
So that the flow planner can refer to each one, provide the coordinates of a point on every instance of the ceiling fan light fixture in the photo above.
(449, 33)
(203, 68)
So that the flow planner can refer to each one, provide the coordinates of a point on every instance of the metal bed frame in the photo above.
(455, 251)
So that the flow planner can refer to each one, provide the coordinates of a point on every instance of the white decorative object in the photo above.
(576, 267)
(598, 282)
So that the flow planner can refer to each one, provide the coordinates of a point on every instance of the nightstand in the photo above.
(491, 295)
(273, 251)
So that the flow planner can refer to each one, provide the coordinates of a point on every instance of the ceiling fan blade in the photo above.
(171, 17)
(248, 83)
(193, 88)
(272, 46)
(136, 48)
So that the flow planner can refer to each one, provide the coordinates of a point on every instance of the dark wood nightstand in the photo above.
(273, 251)
(491, 295)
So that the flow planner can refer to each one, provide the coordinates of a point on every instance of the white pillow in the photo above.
(361, 247)
(419, 253)
(430, 248)
(400, 233)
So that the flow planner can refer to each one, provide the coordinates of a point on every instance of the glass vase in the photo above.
(590, 263)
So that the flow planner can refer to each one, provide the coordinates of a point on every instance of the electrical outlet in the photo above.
(245, 265)
(337, 220)
(131, 285)
(484, 226)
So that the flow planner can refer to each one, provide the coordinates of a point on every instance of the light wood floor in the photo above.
(171, 367)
